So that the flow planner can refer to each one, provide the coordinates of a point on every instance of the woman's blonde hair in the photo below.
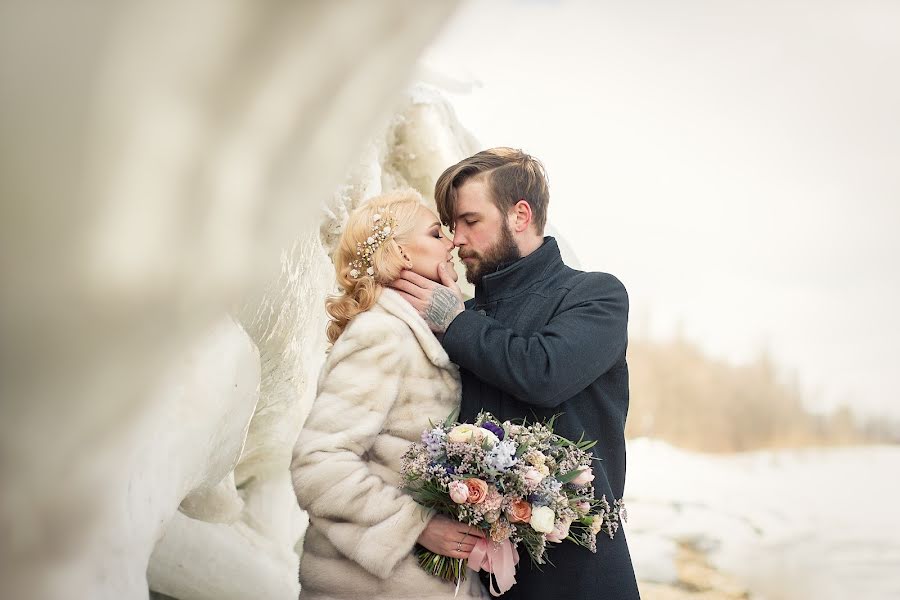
(358, 294)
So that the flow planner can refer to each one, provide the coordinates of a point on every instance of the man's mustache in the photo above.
(467, 254)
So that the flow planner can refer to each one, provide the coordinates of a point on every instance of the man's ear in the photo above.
(520, 216)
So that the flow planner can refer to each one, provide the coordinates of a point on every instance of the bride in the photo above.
(385, 377)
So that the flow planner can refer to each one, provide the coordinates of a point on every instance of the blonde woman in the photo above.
(385, 376)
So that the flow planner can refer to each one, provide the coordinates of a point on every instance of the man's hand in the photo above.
(438, 304)
(450, 538)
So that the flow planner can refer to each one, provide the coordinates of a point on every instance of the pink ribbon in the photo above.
(500, 559)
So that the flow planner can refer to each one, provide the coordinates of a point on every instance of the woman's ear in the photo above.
(406, 260)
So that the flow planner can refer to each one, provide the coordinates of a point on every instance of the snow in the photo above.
(798, 524)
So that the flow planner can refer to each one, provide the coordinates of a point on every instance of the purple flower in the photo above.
(434, 442)
(495, 429)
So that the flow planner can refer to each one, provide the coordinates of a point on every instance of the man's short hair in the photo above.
(511, 176)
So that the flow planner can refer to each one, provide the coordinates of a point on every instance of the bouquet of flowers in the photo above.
(519, 483)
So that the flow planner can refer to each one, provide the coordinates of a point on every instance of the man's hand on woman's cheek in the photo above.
(438, 304)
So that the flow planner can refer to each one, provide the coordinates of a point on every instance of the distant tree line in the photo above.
(682, 396)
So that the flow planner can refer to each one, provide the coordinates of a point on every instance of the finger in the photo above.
(474, 532)
(461, 551)
(401, 285)
(416, 303)
(416, 279)
(447, 279)
(456, 546)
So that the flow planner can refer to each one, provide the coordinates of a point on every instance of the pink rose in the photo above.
(585, 477)
(583, 507)
(533, 477)
(560, 531)
(477, 490)
(459, 491)
(519, 511)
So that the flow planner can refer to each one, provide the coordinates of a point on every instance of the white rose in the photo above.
(542, 519)
(461, 434)
(482, 434)
(533, 477)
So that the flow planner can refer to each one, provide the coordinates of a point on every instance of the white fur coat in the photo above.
(385, 377)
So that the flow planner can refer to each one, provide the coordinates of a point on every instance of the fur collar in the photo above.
(393, 303)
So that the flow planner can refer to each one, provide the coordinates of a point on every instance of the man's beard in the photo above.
(500, 254)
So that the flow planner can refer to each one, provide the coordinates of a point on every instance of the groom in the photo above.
(538, 339)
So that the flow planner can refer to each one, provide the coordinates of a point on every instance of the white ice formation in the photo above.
(157, 158)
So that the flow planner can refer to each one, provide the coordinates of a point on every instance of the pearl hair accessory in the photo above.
(382, 228)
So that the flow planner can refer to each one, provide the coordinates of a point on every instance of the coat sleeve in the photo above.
(368, 520)
(586, 338)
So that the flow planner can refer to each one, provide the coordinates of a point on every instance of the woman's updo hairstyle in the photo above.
(368, 255)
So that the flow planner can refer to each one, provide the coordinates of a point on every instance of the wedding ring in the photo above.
(459, 546)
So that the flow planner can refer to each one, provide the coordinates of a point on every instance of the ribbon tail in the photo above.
(478, 555)
(499, 560)
(503, 565)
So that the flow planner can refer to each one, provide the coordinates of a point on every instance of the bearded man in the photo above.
(538, 339)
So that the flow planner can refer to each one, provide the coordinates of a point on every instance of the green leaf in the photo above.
(567, 477)
(451, 418)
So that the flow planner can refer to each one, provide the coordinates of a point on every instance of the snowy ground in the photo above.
(801, 524)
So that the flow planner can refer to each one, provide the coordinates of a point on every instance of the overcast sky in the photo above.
(735, 163)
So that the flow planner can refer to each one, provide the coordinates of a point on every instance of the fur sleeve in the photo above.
(367, 520)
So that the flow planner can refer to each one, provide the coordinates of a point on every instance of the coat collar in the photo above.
(520, 274)
(393, 303)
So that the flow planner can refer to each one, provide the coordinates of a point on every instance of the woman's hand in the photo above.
(449, 538)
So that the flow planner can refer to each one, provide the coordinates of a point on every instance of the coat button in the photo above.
(482, 312)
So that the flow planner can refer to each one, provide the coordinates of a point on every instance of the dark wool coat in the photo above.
(539, 339)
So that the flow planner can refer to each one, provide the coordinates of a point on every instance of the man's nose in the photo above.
(458, 239)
